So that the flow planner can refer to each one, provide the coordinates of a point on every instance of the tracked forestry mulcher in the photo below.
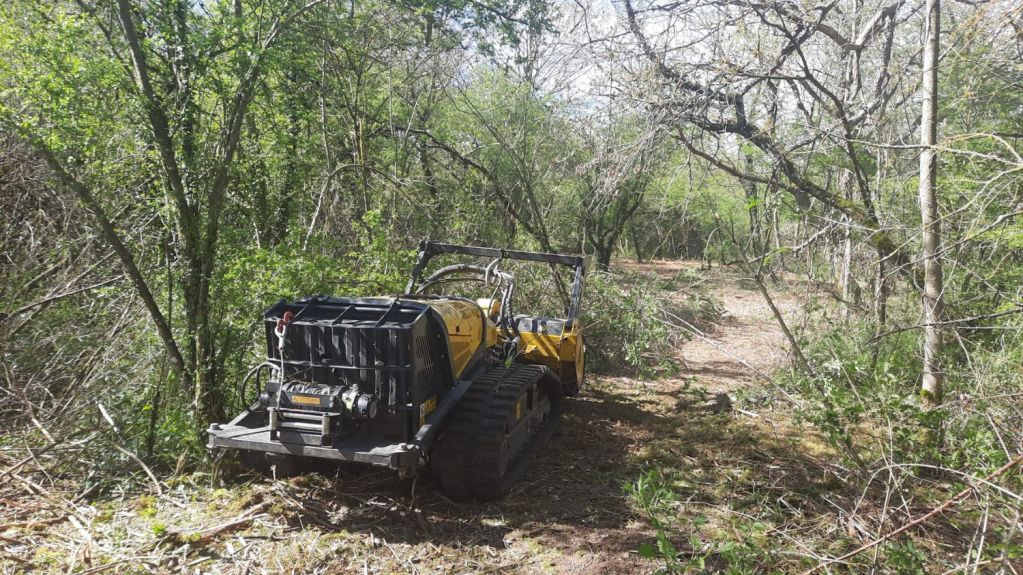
(464, 387)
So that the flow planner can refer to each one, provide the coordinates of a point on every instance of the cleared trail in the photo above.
(746, 339)
(571, 514)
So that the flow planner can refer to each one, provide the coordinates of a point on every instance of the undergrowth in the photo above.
(632, 325)
(862, 402)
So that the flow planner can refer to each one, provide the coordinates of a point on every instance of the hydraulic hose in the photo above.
(505, 280)
(248, 376)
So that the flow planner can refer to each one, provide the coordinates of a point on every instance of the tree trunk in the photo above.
(881, 292)
(752, 207)
(933, 378)
(847, 280)
(637, 243)
(777, 238)
(604, 253)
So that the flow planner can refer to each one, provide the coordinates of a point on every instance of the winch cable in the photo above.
(281, 331)
(505, 317)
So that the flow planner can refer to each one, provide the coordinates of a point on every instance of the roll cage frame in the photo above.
(429, 249)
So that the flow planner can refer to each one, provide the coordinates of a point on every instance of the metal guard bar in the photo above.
(429, 249)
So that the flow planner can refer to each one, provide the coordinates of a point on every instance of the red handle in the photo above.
(285, 319)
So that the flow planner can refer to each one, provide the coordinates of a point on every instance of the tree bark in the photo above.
(881, 292)
(933, 304)
(847, 280)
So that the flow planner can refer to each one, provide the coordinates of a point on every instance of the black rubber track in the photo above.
(470, 458)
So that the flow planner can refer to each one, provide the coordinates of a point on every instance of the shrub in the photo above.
(863, 381)
(625, 326)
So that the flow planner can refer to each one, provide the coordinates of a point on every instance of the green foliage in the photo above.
(863, 381)
(215, 252)
(624, 325)
(858, 380)
(654, 498)
(905, 558)
(174, 435)
(743, 551)
(983, 396)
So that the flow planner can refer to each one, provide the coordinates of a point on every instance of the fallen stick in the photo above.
(14, 557)
(111, 565)
(30, 523)
(948, 503)
(14, 468)
(149, 472)
(209, 534)
(206, 535)
(12, 540)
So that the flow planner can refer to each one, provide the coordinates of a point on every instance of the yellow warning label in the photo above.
(305, 399)
(425, 408)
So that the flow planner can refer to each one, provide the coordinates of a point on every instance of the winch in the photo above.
(326, 409)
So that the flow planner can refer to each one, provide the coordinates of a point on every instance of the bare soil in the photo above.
(571, 514)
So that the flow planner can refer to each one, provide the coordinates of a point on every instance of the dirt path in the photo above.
(746, 335)
(571, 514)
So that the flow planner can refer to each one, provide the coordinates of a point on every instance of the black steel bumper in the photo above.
(247, 431)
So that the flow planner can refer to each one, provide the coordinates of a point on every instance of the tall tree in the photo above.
(626, 153)
(188, 80)
(761, 74)
(933, 302)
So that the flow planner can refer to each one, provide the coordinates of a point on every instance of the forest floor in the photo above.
(572, 514)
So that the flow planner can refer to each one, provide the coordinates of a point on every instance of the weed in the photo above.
(146, 506)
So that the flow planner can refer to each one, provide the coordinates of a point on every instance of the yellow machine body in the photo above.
(554, 343)
(466, 331)
(562, 353)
